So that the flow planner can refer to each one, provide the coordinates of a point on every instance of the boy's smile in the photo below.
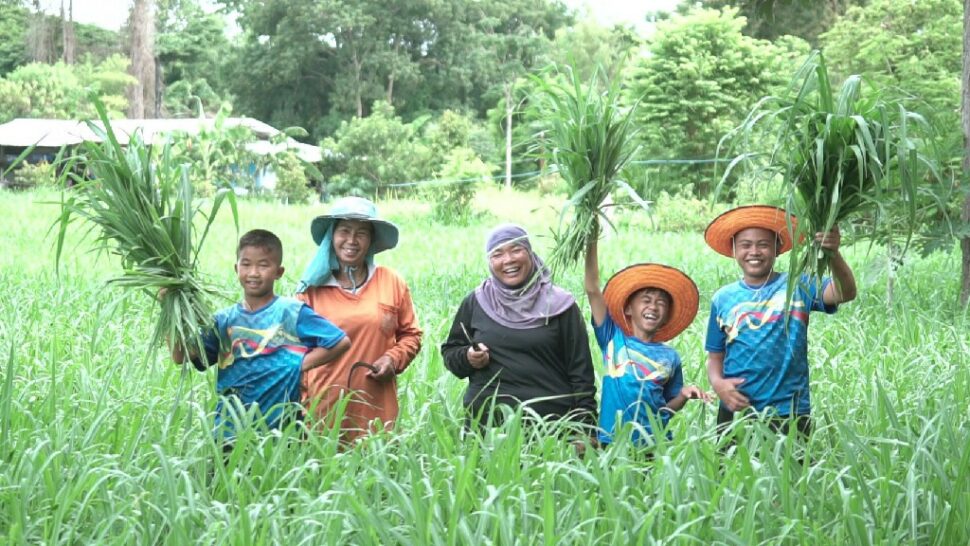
(755, 250)
(257, 268)
(647, 311)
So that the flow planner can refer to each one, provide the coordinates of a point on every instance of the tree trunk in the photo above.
(141, 95)
(67, 32)
(508, 135)
(965, 111)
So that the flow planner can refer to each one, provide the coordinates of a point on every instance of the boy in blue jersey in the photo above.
(642, 306)
(756, 358)
(264, 343)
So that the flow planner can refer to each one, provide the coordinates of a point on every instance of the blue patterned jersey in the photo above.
(259, 354)
(747, 324)
(641, 377)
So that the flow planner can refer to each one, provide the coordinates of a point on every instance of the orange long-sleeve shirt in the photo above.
(380, 320)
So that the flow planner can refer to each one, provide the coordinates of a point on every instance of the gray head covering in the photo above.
(521, 307)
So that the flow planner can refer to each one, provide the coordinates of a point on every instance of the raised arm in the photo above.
(844, 287)
(591, 281)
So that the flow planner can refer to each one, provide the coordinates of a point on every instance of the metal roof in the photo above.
(55, 133)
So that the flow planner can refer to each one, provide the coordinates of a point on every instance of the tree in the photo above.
(13, 36)
(700, 78)
(141, 26)
(771, 19)
(68, 40)
(62, 91)
(587, 47)
(39, 38)
(191, 48)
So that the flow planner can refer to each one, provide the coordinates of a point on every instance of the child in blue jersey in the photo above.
(756, 358)
(264, 343)
(641, 307)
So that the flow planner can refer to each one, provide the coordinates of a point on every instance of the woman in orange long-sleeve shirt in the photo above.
(372, 304)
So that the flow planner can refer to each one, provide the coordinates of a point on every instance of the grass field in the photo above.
(104, 442)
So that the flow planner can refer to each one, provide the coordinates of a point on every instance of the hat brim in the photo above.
(385, 233)
(636, 277)
(721, 231)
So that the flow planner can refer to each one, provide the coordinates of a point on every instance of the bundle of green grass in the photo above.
(139, 202)
(592, 138)
(843, 156)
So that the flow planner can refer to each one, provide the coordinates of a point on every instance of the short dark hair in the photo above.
(261, 238)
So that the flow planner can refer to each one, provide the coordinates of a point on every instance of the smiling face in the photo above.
(351, 241)
(511, 264)
(257, 268)
(755, 249)
(647, 310)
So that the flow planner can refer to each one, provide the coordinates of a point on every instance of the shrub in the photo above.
(36, 175)
(292, 185)
(461, 173)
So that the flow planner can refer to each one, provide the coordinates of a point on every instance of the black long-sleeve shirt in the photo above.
(552, 360)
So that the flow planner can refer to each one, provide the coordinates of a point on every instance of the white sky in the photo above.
(113, 13)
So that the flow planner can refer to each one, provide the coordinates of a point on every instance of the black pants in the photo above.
(781, 425)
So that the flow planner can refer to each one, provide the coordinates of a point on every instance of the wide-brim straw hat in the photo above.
(721, 230)
(357, 208)
(636, 277)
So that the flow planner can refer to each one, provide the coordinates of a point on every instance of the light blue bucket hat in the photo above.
(356, 208)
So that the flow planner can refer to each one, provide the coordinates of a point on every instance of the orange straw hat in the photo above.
(721, 230)
(636, 277)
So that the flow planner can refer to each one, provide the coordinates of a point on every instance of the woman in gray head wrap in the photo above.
(520, 339)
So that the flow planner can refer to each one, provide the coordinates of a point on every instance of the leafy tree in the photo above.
(191, 46)
(369, 154)
(588, 47)
(61, 91)
(700, 78)
(13, 36)
(292, 185)
(771, 19)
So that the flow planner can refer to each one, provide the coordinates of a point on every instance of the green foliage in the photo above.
(841, 153)
(774, 19)
(370, 154)
(13, 36)
(699, 79)
(34, 175)
(144, 210)
(460, 174)
(217, 158)
(62, 91)
(592, 138)
(191, 47)
(292, 185)
(682, 211)
(887, 461)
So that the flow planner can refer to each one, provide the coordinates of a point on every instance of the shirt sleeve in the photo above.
(716, 340)
(316, 331)
(676, 382)
(454, 351)
(407, 336)
(604, 332)
(812, 292)
(579, 365)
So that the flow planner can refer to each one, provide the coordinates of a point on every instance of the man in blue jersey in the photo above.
(758, 356)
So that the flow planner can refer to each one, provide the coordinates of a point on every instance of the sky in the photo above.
(113, 13)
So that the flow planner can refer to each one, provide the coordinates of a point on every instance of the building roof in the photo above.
(55, 133)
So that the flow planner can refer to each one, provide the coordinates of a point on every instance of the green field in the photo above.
(104, 441)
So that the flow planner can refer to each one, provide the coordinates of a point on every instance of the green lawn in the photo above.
(104, 441)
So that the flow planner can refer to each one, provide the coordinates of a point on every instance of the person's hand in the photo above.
(478, 359)
(693, 393)
(385, 369)
(727, 391)
(830, 240)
